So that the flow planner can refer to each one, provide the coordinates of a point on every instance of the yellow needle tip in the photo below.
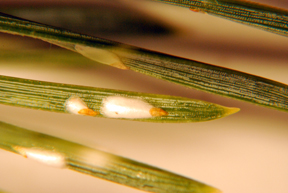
(209, 189)
(231, 110)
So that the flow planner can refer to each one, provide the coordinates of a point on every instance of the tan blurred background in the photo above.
(246, 152)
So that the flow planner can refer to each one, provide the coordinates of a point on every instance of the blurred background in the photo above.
(245, 152)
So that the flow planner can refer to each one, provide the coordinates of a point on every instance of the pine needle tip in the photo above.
(231, 110)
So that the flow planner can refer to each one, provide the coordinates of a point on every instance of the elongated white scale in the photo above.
(46, 157)
(101, 56)
(76, 105)
(129, 108)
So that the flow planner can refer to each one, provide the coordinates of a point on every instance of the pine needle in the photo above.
(189, 73)
(60, 153)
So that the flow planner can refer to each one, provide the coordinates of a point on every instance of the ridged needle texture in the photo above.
(53, 97)
(194, 74)
(214, 79)
(101, 164)
(261, 16)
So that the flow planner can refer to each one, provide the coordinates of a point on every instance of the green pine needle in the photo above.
(53, 97)
(254, 14)
(43, 148)
(193, 74)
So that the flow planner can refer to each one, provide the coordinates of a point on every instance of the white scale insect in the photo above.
(76, 105)
(129, 108)
(46, 157)
(116, 107)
